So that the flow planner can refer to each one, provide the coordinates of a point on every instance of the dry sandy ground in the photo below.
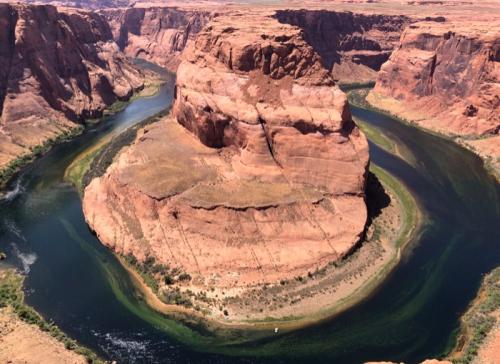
(21, 343)
(489, 352)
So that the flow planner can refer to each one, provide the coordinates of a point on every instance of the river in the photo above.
(73, 280)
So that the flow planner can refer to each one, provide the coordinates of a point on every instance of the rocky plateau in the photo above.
(257, 176)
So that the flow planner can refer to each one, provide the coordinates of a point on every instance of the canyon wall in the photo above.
(57, 67)
(157, 34)
(353, 46)
(257, 177)
(449, 73)
(446, 77)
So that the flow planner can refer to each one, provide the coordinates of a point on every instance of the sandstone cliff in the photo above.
(353, 46)
(157, 34)
(257, 177)
(58, 67)
(446, 77)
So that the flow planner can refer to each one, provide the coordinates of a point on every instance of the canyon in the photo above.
(243, 202)
(255, 167)
(58, 68)
(158, 34)
(446, 77)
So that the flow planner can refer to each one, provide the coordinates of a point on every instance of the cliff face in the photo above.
(351, 45)
(448, 73)
(258, 176)
(57, 68)
(446, 77)
(157, 34)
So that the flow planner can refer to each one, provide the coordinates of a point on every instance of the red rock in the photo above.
(157, 34)
(57, 67)
(264, 182)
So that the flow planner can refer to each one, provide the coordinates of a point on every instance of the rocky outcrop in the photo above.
(157, 34)
(257, 177)
(447, 70)
(353, 46)
(446, 77)
(57, 68)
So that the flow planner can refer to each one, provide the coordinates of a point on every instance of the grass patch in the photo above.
(94, 161)
(478, 321)
(409, 208)
(14, 166)
(11, 294)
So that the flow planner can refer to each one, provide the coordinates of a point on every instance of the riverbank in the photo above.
(479, 339)
(396, 219)
(26, 337)
(151, 86)
(487, 148)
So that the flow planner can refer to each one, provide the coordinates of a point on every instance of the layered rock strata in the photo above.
(58, 67)
(353, 46)
(446, 77)
(157, 34)
(257, 177)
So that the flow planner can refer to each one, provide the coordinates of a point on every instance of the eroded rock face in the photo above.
(258, 175)
(353, 45)
(57, 67)
(448, 76)
(157, 34)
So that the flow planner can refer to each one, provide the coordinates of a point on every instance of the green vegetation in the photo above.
(11, 294)
(376, 136)
(96, 159)
(9, 171)
(409, 206)
(478, 321)
(356, 85)
(153, 273)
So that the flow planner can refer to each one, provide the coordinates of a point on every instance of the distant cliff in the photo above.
(449, 71)
(57, 67)
(445, 76)
(157, 34)
(353, 46)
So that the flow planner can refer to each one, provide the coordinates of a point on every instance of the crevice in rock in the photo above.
(269, 142)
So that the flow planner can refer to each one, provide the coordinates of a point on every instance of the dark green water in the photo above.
(74, 281)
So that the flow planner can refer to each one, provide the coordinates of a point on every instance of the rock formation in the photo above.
(157, 34)
(257, 177)
(353, 45)
(58, 67)
(446, 69)
(446, 77)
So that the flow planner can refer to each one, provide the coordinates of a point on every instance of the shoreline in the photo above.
(345, 296)
(363, 101)
(480, 322)
(28, 337)
(15, 167)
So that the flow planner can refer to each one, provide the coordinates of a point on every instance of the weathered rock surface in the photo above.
(449, 73)
(446, 77)
(158, 34)
(353, 46)
(259, 174)
(57, 67)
